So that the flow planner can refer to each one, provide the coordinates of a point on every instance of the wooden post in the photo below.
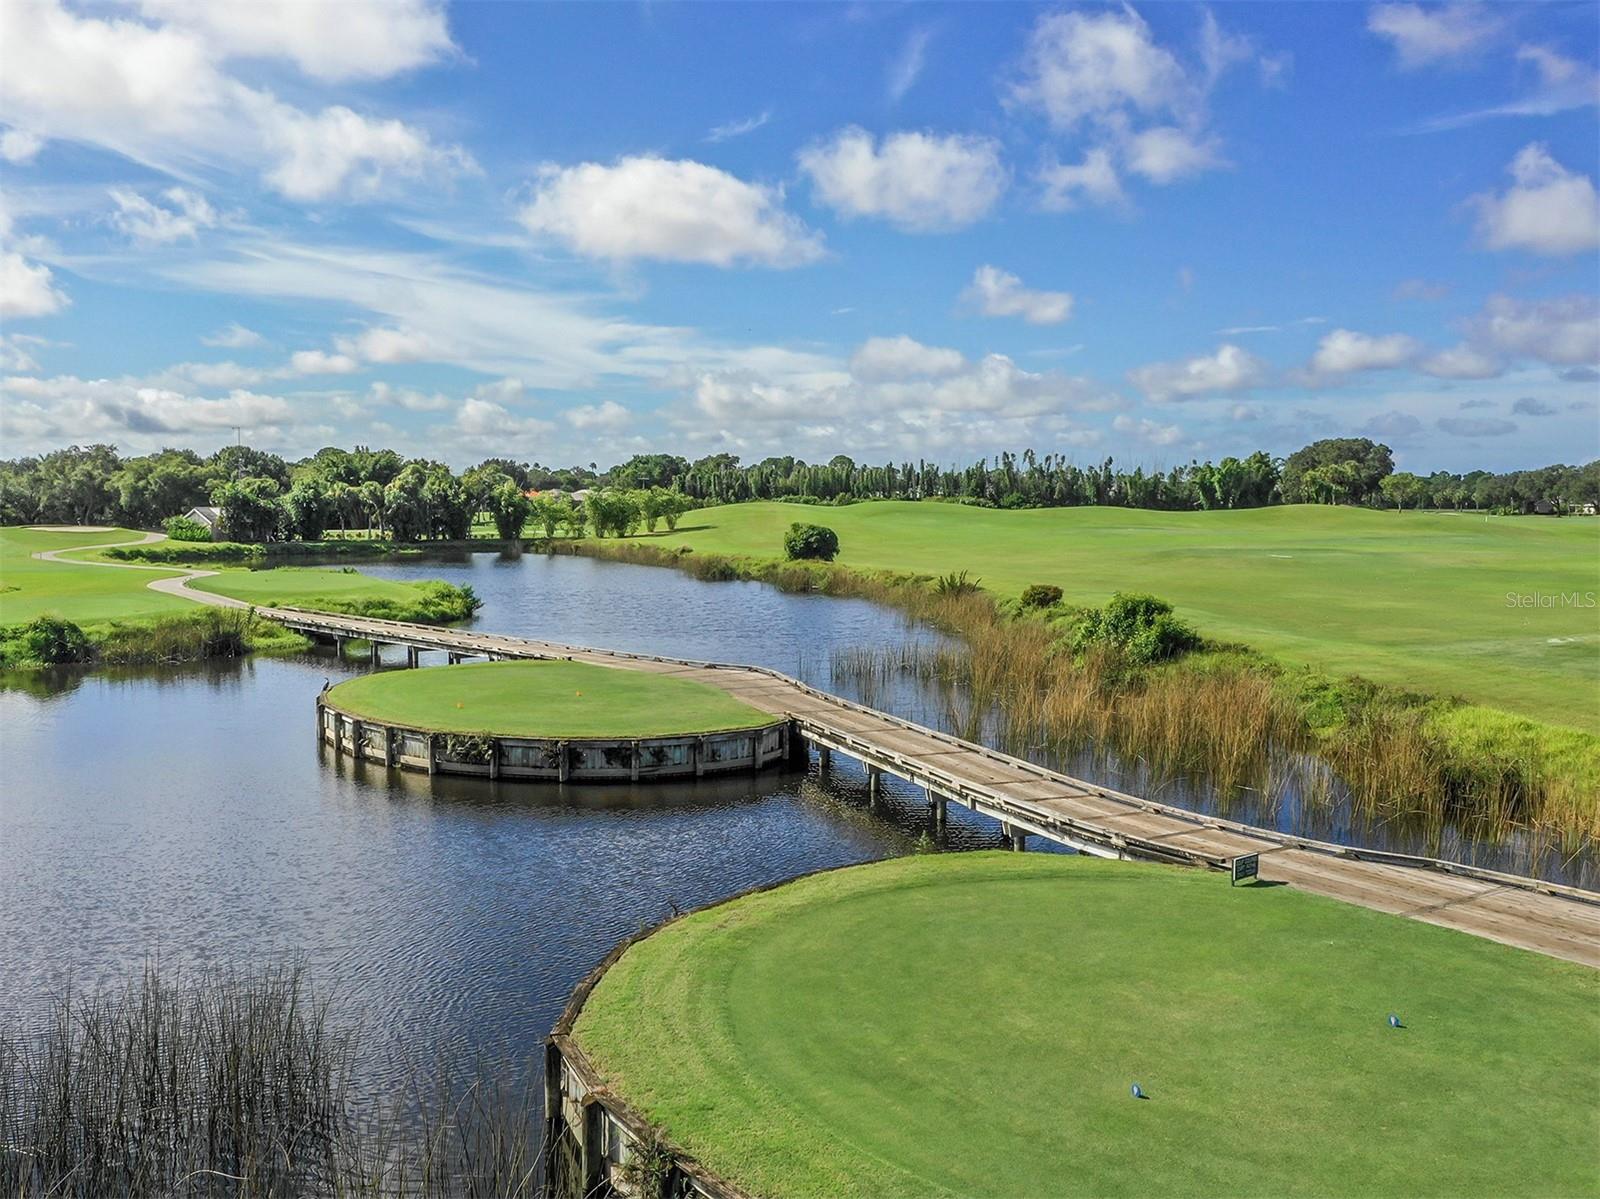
(553, 1117)
(376, 660)
(699, 756)
(494, 757)
(412, 655)
(388, 745)
(433, 753)
(564, 766)
(592, 1164)
(795, 743)
(938, 808)
(824, 758)
(874, 785)
(633, 772)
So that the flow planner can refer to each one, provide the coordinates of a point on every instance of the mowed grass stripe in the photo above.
(544, 699)
(1414, 599)
(971, 1024)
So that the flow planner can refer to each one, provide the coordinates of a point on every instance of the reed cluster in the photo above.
(1242, 727)
(238, 1086)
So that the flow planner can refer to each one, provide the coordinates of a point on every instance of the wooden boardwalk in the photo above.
(1563, 922)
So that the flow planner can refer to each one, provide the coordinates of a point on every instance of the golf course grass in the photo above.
(971, 1024)
(543, 699)
(91, 593)
(1418, 600)
(84, 594)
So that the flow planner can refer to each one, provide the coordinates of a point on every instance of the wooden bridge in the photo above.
(1029, 800)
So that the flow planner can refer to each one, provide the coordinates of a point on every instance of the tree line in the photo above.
(264, 497)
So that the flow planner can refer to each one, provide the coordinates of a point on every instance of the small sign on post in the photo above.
(1246, 865)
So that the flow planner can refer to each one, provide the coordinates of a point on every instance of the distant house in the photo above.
(1545, 508)
(210, 518)
(1583, 509)
(579, 495)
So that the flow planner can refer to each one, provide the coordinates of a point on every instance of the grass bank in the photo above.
(202, 553)
(1226, 715)
(119, 620)
(1416, 600)
(971, 1025)
(344, 590)
(544, 699)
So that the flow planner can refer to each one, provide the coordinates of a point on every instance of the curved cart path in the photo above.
(174, 579)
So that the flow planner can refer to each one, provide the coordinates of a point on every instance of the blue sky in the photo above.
(573, 232)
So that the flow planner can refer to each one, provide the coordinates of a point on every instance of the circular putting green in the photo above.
(555, 699)
(974, 1024)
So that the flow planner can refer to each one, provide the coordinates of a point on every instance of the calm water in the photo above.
(189, 815)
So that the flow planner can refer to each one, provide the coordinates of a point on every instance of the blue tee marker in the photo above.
(1394, 1021)
(1137, 1093)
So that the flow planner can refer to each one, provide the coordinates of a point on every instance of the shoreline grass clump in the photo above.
(194, 636)
(241, 1085)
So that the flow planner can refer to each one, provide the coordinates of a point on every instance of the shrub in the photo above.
(956, 583)
(56, 642)
(1041, 595)
(181, 528)
(1142, 626)
(810, 541)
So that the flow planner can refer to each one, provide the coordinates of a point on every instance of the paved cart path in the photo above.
(1548, 918)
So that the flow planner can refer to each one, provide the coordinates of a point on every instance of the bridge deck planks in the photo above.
(1499, 911)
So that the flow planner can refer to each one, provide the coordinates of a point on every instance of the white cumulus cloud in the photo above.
(999, 293)
(319, 362)
(880, 359)
(1438, 33)
(19, 147)
(1548, 210)
(607, 416)
(1065, 185)
(181, 218)
(28, 288)
(353, 39)
(1226, 372)
(339, 152)
(1561, 332)
(233, 335)
(919, 182)
(1462, 362)
(673, 210)
(1344, 352)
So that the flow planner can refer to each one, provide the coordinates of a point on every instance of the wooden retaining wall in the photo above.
(553, 760)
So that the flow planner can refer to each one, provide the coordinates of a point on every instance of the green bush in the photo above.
(956, 583)
(181, 528)
(810, 541)
(1142, 626)
(56, 642)
(1041, 595)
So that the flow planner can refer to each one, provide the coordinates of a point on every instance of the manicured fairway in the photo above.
(971, 1025)
(1414, 599)
(544, 699)
(75, 592)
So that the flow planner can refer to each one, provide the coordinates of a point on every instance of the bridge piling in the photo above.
(412, 655)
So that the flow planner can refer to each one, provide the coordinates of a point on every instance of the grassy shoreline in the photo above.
(112, 617)
(819, 1038)
(1216, 713)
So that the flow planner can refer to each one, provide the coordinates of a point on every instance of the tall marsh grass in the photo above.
(1223, 716)
(238, 1086)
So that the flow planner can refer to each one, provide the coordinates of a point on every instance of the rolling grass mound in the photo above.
(544, 699)
(972, 1025)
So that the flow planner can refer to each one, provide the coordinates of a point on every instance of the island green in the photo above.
(973, 1025)
(543, 699)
